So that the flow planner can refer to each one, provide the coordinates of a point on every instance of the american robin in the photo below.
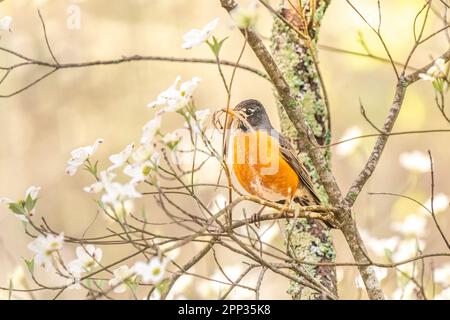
(263, 161)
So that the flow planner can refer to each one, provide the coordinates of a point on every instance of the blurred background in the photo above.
(73, 107)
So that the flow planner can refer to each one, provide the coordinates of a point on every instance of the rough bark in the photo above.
(308, 239)
(308, 144)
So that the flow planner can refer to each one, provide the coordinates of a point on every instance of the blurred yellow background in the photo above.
(73, 107)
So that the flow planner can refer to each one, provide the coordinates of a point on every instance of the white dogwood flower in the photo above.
(122, 276)
(5, 23)
(17, 277)
(434, 72)
(415, 161)
(150, 130)
(437, 75)
(196, 37)
(381, 273)
(442, 275)
(117, 193)
(413, 224)
(143, 153)
(120, 210)
(408, 292)
(197, 124)
(176, 97)
(105, 179)
(443, 295)
(172, 139)
(152, 271)
(427, 77)
(380, 246)
(172, 254)
(80, 155)
(156, 295)
(440, 203)
(33, 192)
(44, 247)
(245, 16)
(181, 286)
(23, 208)
(139, 172)
(88, 258)
(347, 148)
(408, 249)
(121, 158)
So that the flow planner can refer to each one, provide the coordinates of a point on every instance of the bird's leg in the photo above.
(286, 206)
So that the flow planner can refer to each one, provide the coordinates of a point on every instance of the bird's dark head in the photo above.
(254, 114)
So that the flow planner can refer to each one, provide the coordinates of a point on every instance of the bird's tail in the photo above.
(305, 197)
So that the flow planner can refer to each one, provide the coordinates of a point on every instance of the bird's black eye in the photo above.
(249, 111)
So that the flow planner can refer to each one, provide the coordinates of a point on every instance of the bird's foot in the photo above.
(255, 218)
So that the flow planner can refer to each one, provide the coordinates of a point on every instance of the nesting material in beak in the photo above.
(235, 115)
(230, 118)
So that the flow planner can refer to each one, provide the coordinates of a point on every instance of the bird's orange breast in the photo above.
(260, 168)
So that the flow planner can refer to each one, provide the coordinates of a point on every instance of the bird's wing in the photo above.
(288, 153)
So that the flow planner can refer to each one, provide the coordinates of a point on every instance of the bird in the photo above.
(263, 161)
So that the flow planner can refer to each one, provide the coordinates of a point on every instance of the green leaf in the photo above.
(418, 250)
(30, 265)
(163, 285)
(216, 45)
(362, 42)
(144, 214)
(91, 168)
(95, 169)
(100, 283)
(221, 42)
(101, 204)
(172, 145)
(388, 253)
(133, 285)
(88, 283)
(17, 208)
(439, 85)
(30, 203)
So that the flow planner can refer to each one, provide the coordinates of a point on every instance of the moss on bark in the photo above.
(306, 239)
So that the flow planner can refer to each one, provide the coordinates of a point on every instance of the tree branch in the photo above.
(125, 59)
(381, 142)
(308, 143)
